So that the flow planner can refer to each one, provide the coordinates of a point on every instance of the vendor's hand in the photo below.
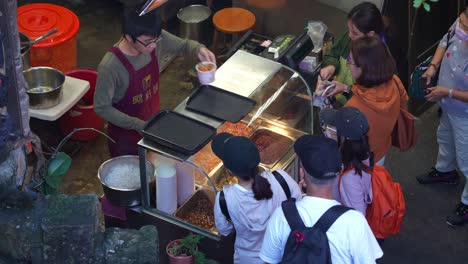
(327, 72)
(429, 74)
(206, 55)
(437, 92)
(339, 88)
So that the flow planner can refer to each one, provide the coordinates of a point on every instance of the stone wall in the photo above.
(64, 229)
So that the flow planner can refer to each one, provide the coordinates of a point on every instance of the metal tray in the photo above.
(191, 203)
(178, 132)
(218, 103)
(282, 139)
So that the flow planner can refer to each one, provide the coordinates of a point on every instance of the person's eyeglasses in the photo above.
(148, 43)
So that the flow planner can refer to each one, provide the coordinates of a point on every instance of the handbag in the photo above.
(404, 133)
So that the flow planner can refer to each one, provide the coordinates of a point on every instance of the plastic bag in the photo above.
(320, 97)
(316, 31)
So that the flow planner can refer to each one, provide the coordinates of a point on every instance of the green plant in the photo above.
(424, 4)
(188, 246)
(59, 164)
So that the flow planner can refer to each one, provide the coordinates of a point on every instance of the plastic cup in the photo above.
(206, 72)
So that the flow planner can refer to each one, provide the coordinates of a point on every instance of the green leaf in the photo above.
(427, 7)
(56, 169)
(434, 1)
(417, 3)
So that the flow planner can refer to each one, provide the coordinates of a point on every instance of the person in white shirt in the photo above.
(350, 237)
(252, 200)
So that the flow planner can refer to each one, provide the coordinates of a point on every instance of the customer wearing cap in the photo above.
(354, 185)
(252, 200)
(350, 237)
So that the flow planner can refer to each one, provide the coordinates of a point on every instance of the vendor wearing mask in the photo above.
(127, 88)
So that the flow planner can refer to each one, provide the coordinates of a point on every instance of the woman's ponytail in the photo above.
(261, 188)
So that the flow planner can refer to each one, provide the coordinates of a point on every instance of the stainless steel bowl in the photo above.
(123, 192)
(44, 87)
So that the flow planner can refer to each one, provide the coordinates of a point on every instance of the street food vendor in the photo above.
(127, 88)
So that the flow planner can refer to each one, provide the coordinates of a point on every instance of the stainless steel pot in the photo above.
(120, 191)
(195, 23)
(44, 87)
(25, 51)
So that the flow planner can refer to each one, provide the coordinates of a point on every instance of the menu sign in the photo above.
(150, 5)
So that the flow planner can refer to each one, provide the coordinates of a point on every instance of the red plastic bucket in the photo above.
(59, 50)
(82, 114)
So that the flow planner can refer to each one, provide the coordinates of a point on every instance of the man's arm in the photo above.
(107, 84)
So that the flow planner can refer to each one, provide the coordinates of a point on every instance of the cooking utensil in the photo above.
(44, 87)
(120, 179)
(43, 36)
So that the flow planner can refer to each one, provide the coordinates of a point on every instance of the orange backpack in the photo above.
(385, 213)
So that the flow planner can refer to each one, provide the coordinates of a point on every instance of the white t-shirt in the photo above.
(250, 217)
(350, 237)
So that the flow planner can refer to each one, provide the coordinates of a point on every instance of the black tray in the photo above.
(219, 103)
(178, 132)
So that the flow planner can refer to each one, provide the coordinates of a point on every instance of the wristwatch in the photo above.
(450, 93)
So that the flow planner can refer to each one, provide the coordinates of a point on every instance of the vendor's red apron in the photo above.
(141, 101)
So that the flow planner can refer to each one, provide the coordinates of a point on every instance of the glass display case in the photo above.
(283, 113)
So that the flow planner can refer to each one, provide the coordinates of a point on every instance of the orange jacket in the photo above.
(381, 106)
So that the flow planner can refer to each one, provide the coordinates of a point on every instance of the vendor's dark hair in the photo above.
(373, 57)
(260, 186)
(354, 152)
(367, 17)
(135, 25)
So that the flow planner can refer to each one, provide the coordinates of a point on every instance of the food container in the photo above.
(195, 23)
(198, 210)
(271, 145)
(44, 87)
(120, 179)
(206, 72)
(222, 177)
(59, 50)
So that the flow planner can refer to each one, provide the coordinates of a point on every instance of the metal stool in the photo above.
(232, 20)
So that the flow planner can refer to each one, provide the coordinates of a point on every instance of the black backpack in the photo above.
(278, 177)
(308, 244)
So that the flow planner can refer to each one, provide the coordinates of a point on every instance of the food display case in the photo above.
(283, 113)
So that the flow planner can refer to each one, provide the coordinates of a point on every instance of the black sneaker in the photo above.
(435, 176)
(459, 217)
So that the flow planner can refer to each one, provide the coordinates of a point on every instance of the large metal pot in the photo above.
(44, 87)
(25, 51)
(120, 178)
(195, 23)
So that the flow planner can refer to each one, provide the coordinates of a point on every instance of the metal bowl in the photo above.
(117, 191)
(44, 87)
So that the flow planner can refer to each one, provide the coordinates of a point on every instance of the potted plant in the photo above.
(185, 250)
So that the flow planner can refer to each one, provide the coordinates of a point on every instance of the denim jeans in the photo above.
(452, 136)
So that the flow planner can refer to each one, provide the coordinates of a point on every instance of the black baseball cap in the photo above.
(319, 156)
(351, 123)
(239, 154)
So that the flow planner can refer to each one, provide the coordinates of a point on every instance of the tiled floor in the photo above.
(424, 238)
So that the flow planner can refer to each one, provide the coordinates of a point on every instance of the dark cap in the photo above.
(351, 123)
(319, 156)
(239, 154)
(327, 116)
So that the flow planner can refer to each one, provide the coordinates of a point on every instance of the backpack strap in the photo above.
(330, 216)
(283, 184)
(223, 205)
(292, 215)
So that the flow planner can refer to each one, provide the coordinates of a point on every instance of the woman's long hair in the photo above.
(375, 61)
(260, 186)
(354, 153)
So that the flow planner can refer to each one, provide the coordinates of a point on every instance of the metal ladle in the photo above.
(26, 44)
